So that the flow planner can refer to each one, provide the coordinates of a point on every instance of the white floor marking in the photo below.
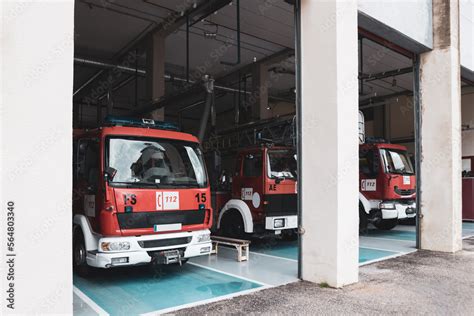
(467, 236)
(385, 258)
(383, 249)
(272, 256)
(89, 301)
(227, 273)
(208, 301)
(264, 254)
(383, 238)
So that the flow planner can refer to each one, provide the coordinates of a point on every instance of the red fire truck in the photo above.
(387, 185)
(263, 195)
(141, 195)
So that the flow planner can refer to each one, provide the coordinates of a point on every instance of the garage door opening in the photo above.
(223, 71)
(387, 155)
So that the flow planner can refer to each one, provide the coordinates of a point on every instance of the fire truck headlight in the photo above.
(279, 223)
(115, 246)
(204, 237)
(387, 206)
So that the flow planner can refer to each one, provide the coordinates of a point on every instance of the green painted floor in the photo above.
(137, 290)
(289, 250)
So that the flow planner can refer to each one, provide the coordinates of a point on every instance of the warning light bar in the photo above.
(144, 122)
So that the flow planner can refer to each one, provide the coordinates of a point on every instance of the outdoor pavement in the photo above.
(420, 283)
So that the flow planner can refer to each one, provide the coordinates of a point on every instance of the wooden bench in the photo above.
(241, 245)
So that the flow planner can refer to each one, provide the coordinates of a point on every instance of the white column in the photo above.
(441, 202)
(329, 141)
(156, 72)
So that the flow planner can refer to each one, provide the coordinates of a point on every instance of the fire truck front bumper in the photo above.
(162, 249)
(391, 210)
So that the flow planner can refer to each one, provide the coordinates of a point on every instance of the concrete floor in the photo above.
(424, 283)
(207, 279)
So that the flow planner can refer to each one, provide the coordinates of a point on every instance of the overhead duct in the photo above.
(209, 84)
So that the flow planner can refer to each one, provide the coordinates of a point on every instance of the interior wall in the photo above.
(402, 124)
(401, 121)
(467, 103)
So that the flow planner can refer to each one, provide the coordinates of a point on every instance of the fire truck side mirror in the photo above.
(110, 173)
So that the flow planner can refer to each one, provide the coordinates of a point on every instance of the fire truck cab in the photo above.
(141, 195)
(387, 185)
(263, 197)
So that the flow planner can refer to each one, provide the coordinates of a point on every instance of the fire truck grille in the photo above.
(149, 219)
(404, 192)
(164, 242)
(280, 204)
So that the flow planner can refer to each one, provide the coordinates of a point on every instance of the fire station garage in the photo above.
(228, 146)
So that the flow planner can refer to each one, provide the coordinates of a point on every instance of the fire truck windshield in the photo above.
(156, 162)
(396, 161)
(282, 164)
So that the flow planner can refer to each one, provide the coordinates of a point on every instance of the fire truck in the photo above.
(141, 195)
(263, 197)
(387, 184)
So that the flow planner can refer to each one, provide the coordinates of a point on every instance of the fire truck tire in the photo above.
(233, 225)
(363, 220)
(79, 254)
(386, 224)
(289, 235)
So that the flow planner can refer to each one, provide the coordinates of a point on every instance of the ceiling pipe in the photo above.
(142, 72)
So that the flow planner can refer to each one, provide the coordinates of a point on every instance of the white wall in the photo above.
(410, 17)
(467, 33)
(36, 152)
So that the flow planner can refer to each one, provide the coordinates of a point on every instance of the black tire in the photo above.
(289, 235)
(233, 225)
(79, 254)
(363, 220)
(386, 224)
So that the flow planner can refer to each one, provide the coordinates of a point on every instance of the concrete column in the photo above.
(259, 98)
(441, 201)
(155, 80)
(329, 154)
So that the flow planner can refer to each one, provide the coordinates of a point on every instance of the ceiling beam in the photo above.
(385, 74)
(172, 22)
(381, 98)
(268, 60)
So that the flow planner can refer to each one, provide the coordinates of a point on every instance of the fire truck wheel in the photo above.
(79, 255)
(289, 235)
(233, 225)
(363, 221)
(386, 224)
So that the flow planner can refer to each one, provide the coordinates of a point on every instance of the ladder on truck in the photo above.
(281, 130)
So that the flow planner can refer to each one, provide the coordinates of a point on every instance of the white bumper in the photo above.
(139, 255)
(399, 212)
(289, 222)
